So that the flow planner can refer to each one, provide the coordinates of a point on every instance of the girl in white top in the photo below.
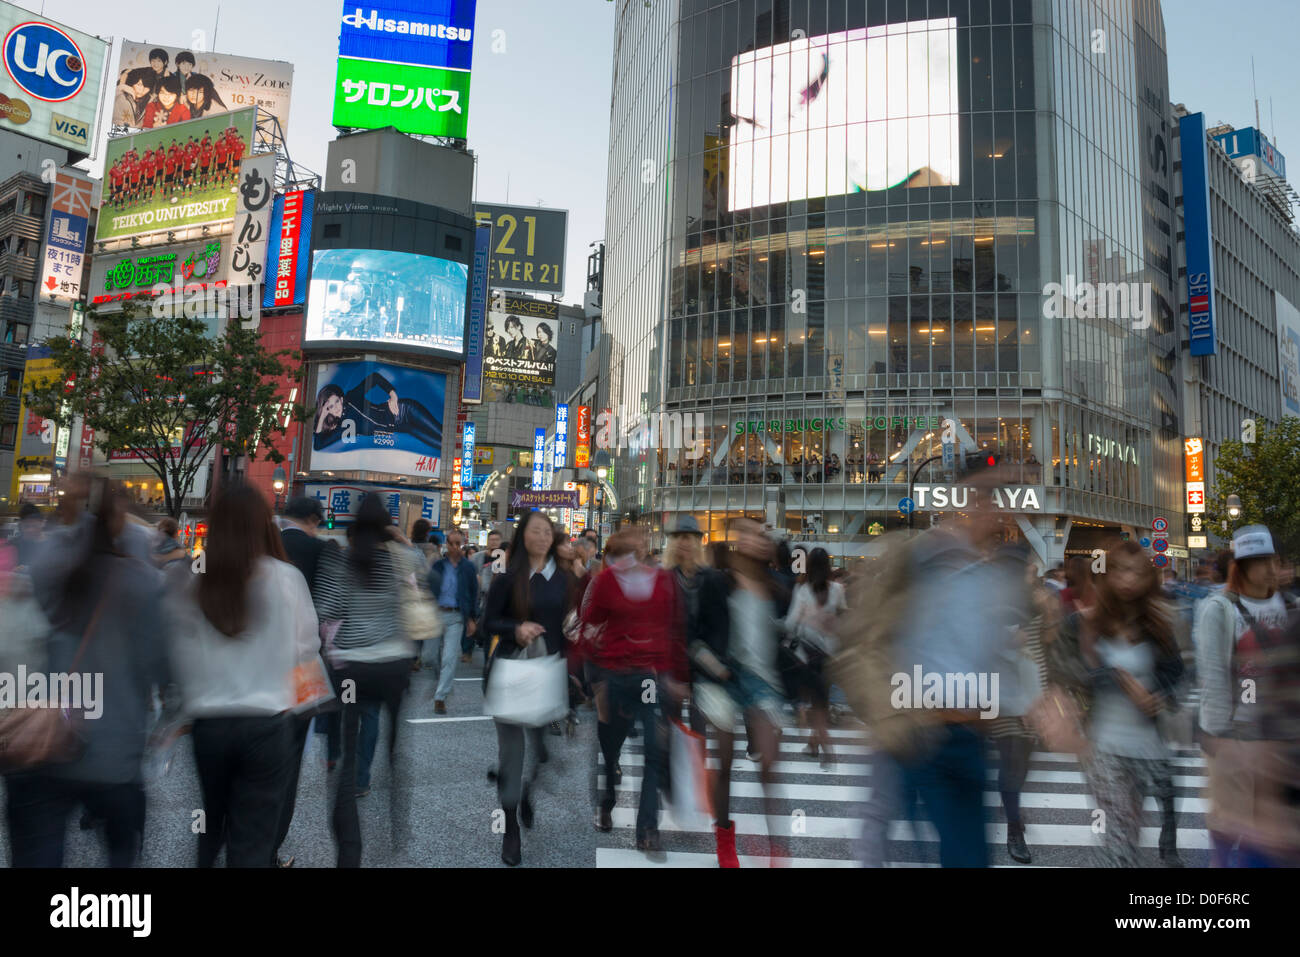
(812, 622)
(240, 630)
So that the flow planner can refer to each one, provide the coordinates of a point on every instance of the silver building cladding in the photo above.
(824, 292)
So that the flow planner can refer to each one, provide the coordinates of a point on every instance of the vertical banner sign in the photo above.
(582, 452)
(539, 456)
(1196, 222)
(287, 252)
(65, 241)
(456, 493)
(467, 455)
(1194, 455)
(472, 388)
(252, 220)
(561, 435)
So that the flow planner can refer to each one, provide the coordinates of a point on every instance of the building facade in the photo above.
(836, 232)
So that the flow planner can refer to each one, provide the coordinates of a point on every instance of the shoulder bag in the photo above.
(31, 737)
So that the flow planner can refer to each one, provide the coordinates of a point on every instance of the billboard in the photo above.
(287, 264)
(582, 450)
(128, 275)
(539, 457)
(380, 296)
(405, 64)
(345, 500)
(252, 220)
(65, 239)
(174, 177)
(528, 246)
(561, 445)
(49, 90)
(519, 345)
(375, 417)
(1249, 148)
(476, 321)
(158, 85)
(1288, 355)
(831, 114)
(1199, 242)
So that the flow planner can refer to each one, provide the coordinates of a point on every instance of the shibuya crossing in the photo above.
(884, 227)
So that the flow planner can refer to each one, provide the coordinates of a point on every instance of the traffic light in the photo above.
(982, 459)
(329, 518)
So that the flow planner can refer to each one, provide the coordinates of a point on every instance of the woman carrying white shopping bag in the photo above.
(525, 608)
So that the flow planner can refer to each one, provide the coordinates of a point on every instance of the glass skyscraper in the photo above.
(837, 231)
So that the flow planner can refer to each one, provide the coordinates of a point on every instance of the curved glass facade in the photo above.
(881, 216)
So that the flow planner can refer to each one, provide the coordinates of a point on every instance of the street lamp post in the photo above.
(277, 482)
(912, 481)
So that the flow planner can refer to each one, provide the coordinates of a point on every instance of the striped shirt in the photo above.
(370, 627)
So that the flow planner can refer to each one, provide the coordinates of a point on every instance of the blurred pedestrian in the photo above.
(360, 588)
(107, 627)
(640, 647)
(31, 531)
(1240, 632)
(239, 631)
(525, 605)
(454, 586)
(169, 549)
(1121, 658)
(811, 625)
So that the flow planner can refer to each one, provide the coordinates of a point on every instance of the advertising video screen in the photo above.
(173, 177)
(379, 296)
(847, 112)
(376, 417)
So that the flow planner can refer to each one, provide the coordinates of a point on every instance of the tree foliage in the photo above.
(1266, 477)
(146, 382)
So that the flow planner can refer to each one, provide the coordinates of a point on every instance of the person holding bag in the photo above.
(362, 589)
(526, 605)
(811, 626)
(104, 610)
(245, 637)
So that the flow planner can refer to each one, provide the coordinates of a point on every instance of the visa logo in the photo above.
(67, 128)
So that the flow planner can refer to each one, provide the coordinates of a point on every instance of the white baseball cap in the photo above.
(1252, 541)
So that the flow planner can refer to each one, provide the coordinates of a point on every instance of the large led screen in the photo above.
(846, 112)
(379, 296)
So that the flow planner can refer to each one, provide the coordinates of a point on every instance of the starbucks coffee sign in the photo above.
(839, 423)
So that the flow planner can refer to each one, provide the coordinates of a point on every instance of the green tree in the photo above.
(168, 389)
(1266, 477)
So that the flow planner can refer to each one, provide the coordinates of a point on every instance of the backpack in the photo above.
(1268, 655)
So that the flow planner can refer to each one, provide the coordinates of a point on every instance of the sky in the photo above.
(539, 103)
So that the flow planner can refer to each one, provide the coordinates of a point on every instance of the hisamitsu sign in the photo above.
(520, 498)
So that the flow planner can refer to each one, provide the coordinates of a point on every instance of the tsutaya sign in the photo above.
(1008, 498)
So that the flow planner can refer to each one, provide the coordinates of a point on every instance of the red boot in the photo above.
(726, 845)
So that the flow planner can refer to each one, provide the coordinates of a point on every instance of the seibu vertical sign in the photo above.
(1199, 238)
(287, 263)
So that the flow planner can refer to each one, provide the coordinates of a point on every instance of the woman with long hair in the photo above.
(202, 97)
(1121, 658)
(526, 604)
(239, 631)
(358, 593)
(106, 625)
(811, 625)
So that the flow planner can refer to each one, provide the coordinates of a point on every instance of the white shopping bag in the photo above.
(530, 691)
(688, 771)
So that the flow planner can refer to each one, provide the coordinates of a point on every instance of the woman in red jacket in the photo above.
(638, 654)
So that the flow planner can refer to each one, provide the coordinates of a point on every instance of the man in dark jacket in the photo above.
(303, 516)
(454, 585)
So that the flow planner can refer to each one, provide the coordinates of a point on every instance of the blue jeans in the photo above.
(452, 633)
(950, 780)
(367, 741)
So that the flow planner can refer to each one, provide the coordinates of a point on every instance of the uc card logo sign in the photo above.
(44, 61)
